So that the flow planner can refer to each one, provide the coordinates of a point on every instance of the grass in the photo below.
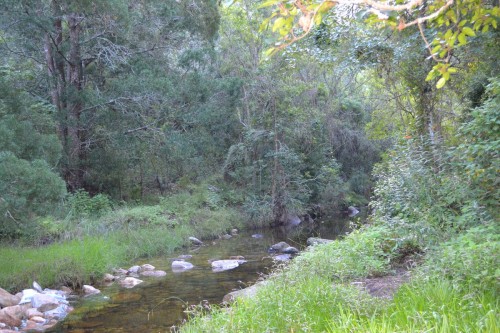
(88, 246)
(314, 293)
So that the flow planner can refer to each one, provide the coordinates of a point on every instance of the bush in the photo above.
(27, 189)
(82, 204)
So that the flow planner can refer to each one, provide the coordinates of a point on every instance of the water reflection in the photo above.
(159, 303)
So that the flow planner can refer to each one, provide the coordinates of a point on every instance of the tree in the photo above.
(446, 24)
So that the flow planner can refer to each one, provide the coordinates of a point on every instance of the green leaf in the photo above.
(280, 21)
(468, 31)
(462, 39)
(268, 3)
(441, 82)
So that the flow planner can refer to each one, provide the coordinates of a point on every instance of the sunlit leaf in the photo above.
(441, 82)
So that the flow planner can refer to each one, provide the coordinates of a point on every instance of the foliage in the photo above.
(81, 203)
(458, 20)
(479, 152)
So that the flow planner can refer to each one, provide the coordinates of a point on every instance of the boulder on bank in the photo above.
(224, 265)
(7, 299)
(195, 241)
(311, 241)
(242, 293)
(147, 267)
(134, 269)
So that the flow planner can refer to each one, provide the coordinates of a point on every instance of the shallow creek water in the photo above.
(157, 304)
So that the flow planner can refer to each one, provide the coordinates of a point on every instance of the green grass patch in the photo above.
(88, 245)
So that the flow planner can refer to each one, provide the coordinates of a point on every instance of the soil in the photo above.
(386, 286)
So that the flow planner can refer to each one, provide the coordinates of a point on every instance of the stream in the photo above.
(159, 303)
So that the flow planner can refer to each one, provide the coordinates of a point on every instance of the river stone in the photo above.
(7, 299)
(89, 290)
(37, 287)
(58, 313)
(257, 236)
(134, 269)
(12, 315)
(28, 295)
(120, 271)
(147, 267)
(66, 290)
(32, 312)
(108, 277)
(157, 273)
(279, 247)
(130, 282)
(282, 257)
(195, 241)
(33, 326)
(311, 241)
(46, 301)
(290, 250)
(224, 265)
(185, 256)
(234, 232)
(181, 265)
(38, 319)
(226, 236)
(126, 297)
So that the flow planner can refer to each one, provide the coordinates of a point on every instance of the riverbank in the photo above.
(82, 249)
(453, 287)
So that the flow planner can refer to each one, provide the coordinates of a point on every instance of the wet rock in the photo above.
(7, 299)
(32, 312)
(38, 319)
(224, 265)
(147, 267)
(195, 241)
(120, 271)
(89, 290)
(290, 250)
(226, 236)
(44, 302)
(12, 315)
(108, 278)
(134, 269)
(279, 247)
(130, 282)
(157, 273)
(185, 256)
(282, 257)
(59, 312)
(33, 326)
(181, 265)
(311, 241)
(258, 236)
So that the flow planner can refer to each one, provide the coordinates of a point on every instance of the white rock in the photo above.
(108, 277)
(224, 265)
(28, 295)
(38, 319)
(147, 267)
(195, 241)
(37, 287)
(130, 282)
(181, 265)
(89, 290)
(134, 269)
(156, 273)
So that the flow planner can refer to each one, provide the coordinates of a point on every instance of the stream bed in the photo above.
(159, 303)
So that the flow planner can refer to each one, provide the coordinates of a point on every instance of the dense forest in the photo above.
(149, 119)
